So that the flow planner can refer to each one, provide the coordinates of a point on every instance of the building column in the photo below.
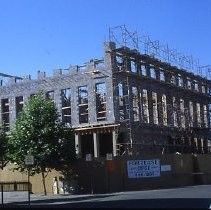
(160, 108)
(78, 144)
(12, 112)
(150, 107)
(114, 143)
(96, 144)
(195, 121)
(178, 111)
(202, 115)
(186, 113)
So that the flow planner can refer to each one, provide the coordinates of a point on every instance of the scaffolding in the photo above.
(123, 99)
(144, 44)
(132, 53)
(4, 78)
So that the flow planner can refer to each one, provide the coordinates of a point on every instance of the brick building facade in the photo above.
(127, 103)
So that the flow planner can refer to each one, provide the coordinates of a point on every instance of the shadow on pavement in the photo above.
(171, 203)
(51, 201)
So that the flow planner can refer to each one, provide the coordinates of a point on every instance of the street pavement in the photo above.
(191, 197)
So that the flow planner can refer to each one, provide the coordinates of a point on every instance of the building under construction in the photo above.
(128, 103)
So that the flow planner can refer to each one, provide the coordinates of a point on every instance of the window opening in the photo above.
(152, 72)
(119, 62)
(50, 95)
(143, 70)
(100, 90)
(133, 66)
(180, 80)
(175, 112)
(209, 114)
(164, 107)
(182, 113)
(66, 106)
(83, 104)
(145, 106)
(19, 104)
(121, 102)
(5, 113)
(198, 112)
(203, 90)
(191, 114)
(155, 108)
(196, 85)
(205, 116)
(135, 98)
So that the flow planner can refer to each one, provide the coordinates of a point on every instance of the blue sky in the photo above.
(49, 34)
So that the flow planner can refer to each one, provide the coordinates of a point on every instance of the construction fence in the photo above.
(144, 172)
(124, 173)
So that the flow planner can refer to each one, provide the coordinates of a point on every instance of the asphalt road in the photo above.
(194, 197)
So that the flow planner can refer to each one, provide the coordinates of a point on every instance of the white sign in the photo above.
(88, 157)
(165, 168)
(143, 168)
(109, 156)
(29, 160)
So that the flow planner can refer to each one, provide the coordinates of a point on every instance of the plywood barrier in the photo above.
(101, 176)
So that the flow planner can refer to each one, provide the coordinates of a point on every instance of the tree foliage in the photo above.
(39, 132)
(4, 148)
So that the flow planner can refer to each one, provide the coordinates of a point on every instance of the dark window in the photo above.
(50, 95)
(5, 113)
(19, 104)
(66, 105)
(83, 104)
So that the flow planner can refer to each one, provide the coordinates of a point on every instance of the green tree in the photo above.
(4, 148)
(39, 132)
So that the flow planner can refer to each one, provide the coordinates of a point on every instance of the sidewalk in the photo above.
(22, 196)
